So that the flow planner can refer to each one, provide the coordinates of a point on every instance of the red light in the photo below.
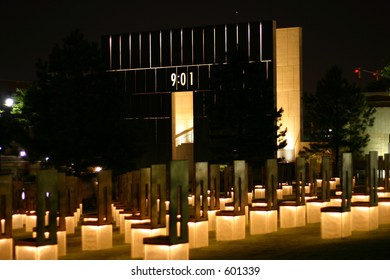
(357, 72)
(376, 75)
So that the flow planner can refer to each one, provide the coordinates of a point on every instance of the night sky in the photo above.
(343, 33)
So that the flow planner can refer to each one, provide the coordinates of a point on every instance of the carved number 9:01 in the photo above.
(181, 79)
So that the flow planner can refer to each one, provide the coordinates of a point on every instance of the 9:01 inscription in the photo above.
(182, 79)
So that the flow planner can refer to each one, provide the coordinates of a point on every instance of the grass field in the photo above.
(301, 243)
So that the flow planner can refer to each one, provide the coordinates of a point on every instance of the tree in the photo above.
(12, 125)
(74, 107)
(338, 115)
(382, 82)
(243, 119)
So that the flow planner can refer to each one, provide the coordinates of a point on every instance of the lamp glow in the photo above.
(9, 102)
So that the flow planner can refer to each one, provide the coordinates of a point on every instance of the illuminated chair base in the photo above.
(118, 212)
(250, 196)
(262, 220)
(364, 216)
(211, 218)
(335, 223)
(335, 201)
(384, 194)
(279, 194)
(129, 221)
(138, 233)
(70, 224)
(287, 190)
(360, 198)
(384, 211)
(61, 241)
(122, 216)
(230, 207)
(313, 210)
(18, 221)
(292, 215)
(29, 250)
(198, 233)
(96, 237)
(77, 215)
(159, 248)
(259, 193)
(6, 248)
(223, 201)
(31, 222)
(230, 225)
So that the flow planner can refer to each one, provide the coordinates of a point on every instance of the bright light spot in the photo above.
(97, 169)
(23, 195)
(22, 153)
(9, 102)
(46, 158)
(47, 194)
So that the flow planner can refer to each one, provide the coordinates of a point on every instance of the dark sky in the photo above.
(343, 33)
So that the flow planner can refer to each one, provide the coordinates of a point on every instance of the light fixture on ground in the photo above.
(293, 213)
(336, 221)
(264, 219)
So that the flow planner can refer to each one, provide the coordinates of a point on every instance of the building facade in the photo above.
(166, 78)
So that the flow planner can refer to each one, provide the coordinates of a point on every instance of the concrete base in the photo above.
(33, 252)
(313, 211)
(292, 216)
(61, 242)
(128, 223)
(167, 252)
(384, 212)
(223, 201)
(70, 224)
(6, 248)
(279, 194)
(31, 222)
(335, 224)
(335, 202)
(137, 248)
(198, 234)
(18, 221)
(230, 227)
(263, 221)
(122, 217)
(96, 237)
(287, 190)
(360, 198)
(364, 218)
(212, 220)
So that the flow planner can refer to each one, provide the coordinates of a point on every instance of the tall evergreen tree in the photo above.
(74, 108)
(338, 116)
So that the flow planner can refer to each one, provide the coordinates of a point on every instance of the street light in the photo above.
(9, 102)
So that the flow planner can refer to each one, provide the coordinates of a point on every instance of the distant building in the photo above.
(380, 132)
(165, 78)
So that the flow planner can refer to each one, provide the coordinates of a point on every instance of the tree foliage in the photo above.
(338, 116)
(382, 81)
(243, 120)
(74, 108)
